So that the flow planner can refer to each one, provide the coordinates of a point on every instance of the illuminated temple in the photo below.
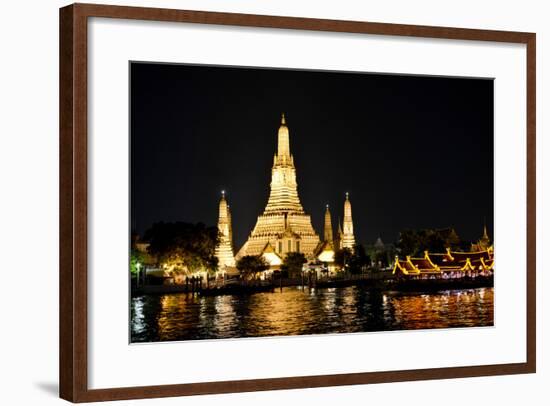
(284, 226)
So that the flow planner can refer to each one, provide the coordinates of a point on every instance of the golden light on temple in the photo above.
(271, 256)
(326, 255)
(284, 226)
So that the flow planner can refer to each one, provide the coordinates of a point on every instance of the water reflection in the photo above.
(294, 311)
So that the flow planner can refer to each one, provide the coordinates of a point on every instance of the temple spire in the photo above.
(284, 189)
(223, 208)
(283, 143)
(328, 226)
(338, 237)
(484, 242)
(348, 238)
(224, 250)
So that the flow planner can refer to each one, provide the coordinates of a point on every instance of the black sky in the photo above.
(413, 151)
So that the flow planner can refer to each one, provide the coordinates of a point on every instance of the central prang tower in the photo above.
(284, 226)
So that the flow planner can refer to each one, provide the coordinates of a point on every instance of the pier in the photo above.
(381, 281)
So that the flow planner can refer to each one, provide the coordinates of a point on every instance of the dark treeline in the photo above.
(354, 261)
(191, 247)
(415, 242)
(183, 245)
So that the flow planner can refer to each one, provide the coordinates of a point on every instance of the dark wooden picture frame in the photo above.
(73, 202)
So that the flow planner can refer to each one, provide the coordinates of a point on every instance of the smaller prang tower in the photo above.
(328, 227)
(224, 250)
(348, 239)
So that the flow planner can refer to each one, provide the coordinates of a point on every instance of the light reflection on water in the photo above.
(181, 316)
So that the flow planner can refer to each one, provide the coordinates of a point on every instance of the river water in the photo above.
(181, 316)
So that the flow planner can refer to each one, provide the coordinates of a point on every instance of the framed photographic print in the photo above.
(348, 202)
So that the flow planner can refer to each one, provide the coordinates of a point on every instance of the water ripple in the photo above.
(180, 316)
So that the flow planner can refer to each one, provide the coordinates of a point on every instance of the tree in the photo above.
(342, 257)
(250, 265)
(414, 243)
(409, 242)
(136, 257)
(293, 263)
(381, 258)
(359, 259)
(451, 238)
(184, 246)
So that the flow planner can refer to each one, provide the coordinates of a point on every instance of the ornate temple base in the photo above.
(292, 232)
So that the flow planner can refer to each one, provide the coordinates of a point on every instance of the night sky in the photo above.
(412, 151)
